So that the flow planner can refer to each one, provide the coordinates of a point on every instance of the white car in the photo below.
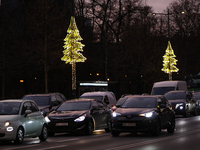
(20, 119)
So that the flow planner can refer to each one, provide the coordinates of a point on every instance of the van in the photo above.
(104, 96)
(160, 88)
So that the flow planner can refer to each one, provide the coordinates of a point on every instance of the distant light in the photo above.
(21, 81)
(182, 12)
(93, 84)
(35, 78)
(141, 76)
(90, 74)
(125, 75)
(97, 74)
(108, 79)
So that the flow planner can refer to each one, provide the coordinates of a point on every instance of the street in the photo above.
(186, 136)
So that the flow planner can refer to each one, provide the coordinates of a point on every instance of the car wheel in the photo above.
(115, 133)
(195, 112)
(186, 114)
(20, 136)
(109, 127)
(44, 134)
(89, 128)
(157, 128)
(171, 127)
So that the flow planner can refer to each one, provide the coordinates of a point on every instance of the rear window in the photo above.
(39, 100)
(93, 97)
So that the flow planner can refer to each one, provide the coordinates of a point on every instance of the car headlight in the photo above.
(7, 123)
(181, 106)
(148, 115)
(81, 118)
(47, 119)
(115, 114)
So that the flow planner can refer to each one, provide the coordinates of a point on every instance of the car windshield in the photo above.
(175, 96)
(39, 100)
(93, 97)
(162, 90)
(74, 106)
(140, 102)
(9, 108)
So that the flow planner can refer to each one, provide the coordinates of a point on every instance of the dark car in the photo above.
(183, 102)
(79, 115)
(148, 113)
(197, 97)
(46, 102)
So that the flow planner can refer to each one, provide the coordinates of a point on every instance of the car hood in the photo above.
(66, 114)
(177, 101)
(4, 118)
(134, 111)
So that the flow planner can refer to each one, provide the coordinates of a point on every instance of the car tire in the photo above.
(195, 112)
(171, 127)
(115, 133)
(157, 128)
(44, 134)
(89, 128)
(19, 136)
(186, 114)
(109, 126)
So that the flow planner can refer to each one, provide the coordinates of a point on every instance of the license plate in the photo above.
(129, 124)
(61, 124)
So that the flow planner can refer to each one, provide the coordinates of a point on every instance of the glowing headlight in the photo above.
(115, 114)
(47, 119)
(79, 119)
(148, 115)
(177, 105)
(7, 123)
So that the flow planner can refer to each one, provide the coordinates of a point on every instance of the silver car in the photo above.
(20, 119)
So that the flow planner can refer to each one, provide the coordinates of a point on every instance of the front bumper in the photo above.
(135, 124)
(6, 134)
(61, 126)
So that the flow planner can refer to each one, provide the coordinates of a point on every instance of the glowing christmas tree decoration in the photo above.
(72, 48)
(169, 61)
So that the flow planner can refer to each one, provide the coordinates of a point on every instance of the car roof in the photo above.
(96, 93)
(177, 91)
(41, 94)
(14, 100)
(81, 100)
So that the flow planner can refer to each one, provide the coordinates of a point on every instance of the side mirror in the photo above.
(27, 112)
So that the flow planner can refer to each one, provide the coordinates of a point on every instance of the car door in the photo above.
(164, 110)
(30, 121)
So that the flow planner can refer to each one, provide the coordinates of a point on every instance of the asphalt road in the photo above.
(185, 137)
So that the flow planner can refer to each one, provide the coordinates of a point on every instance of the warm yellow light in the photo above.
(35, 78)
(97, 74)
(90, 74)
(108, 79)
(21, 81)
(125, 76)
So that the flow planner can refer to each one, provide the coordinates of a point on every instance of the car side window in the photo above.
(94, 104)
(34, 107)
(106, 99)
(59, 98)
(26, 106)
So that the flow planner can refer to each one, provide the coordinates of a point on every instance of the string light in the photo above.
(72, 48)
(169, 61)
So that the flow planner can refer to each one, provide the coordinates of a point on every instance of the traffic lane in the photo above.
(102, 140)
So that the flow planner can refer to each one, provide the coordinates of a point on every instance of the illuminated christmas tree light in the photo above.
(169, 61)
(72, 48)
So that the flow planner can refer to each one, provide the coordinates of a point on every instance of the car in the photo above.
(79, 115)
(143, 113)
(105, 96)
(183, 102)
(46, 102)
(197, 97)
(20, 119)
